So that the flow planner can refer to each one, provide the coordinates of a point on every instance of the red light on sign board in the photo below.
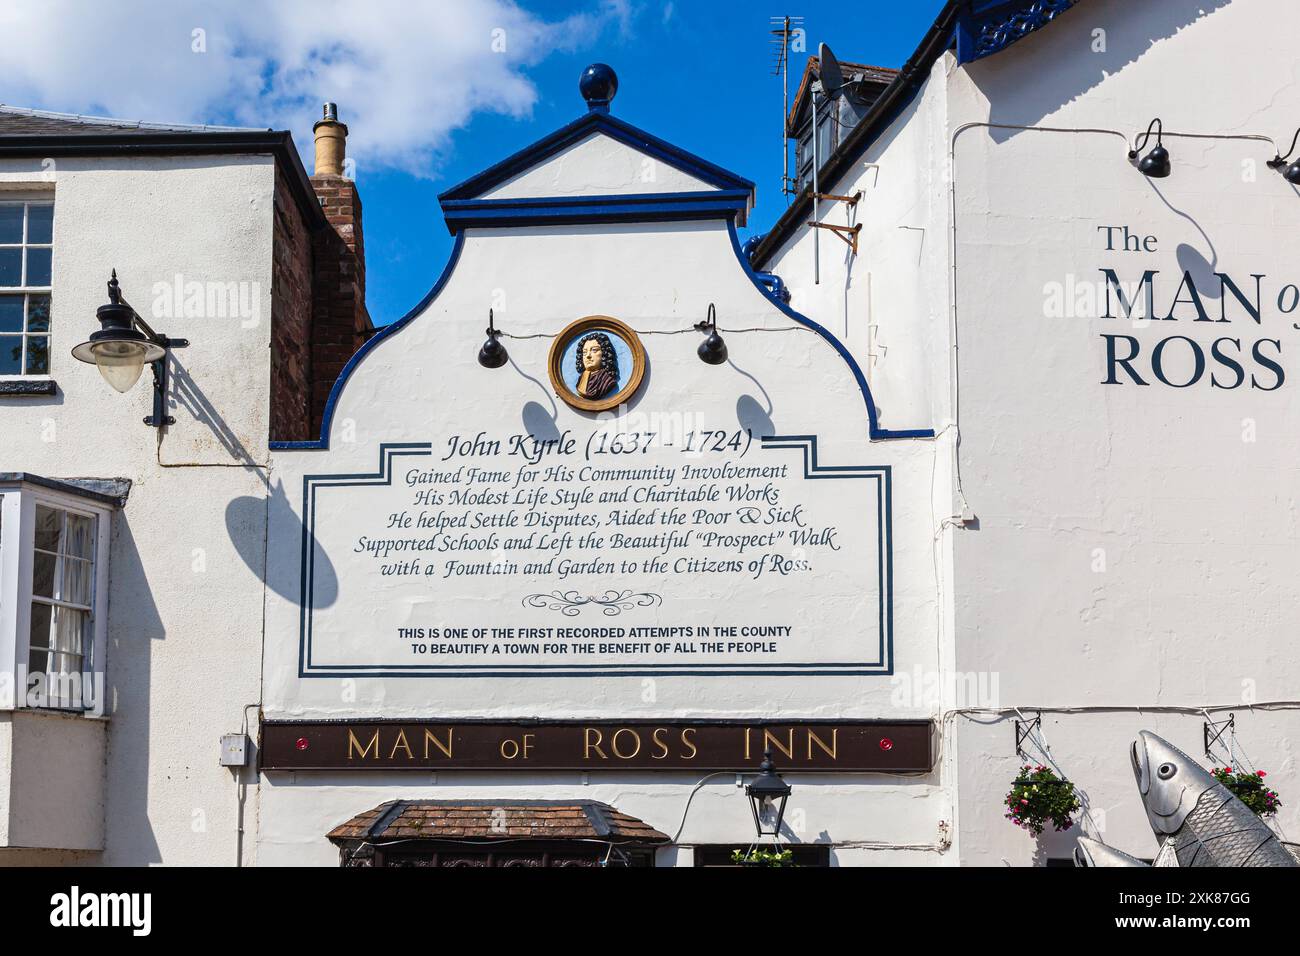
(301, 743)
(886, 743)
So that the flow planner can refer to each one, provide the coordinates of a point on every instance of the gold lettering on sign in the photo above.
(401, 744)
(686, 740)
(588, 745)
(830, 751)
(788, 749)
(353, 742)
(747, 757)
(658, 742)
(614, 743)
(431, 738)
(510, 748)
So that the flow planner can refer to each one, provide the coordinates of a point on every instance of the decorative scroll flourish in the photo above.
(984, 34)
(612, 603)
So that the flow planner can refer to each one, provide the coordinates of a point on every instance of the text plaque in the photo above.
(702, 745)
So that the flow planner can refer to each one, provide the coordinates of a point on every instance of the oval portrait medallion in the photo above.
(596, 363)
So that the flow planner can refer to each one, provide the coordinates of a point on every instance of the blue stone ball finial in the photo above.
(598, 84)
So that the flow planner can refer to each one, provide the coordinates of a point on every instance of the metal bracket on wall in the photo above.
(1024, 728)
(851, 200)
(1213, 730)
(848, 233)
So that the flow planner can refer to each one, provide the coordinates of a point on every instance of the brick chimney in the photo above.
(340, 321)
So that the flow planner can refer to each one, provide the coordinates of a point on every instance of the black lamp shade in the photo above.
(492, 354)
(713, 351)
(1155, 164)
(1291, 173)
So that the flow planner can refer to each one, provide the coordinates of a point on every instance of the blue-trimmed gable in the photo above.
(730, 197)
(580, 129)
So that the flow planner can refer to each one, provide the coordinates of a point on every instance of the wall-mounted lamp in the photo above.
(767, 797)
(1290, 171)
(1154, 164)
(712, 351)
(493, 353)
(122, 347)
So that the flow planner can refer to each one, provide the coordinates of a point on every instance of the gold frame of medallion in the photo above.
(581, 327)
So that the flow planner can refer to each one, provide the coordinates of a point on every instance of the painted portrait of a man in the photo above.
(596, 363)
(597, 366)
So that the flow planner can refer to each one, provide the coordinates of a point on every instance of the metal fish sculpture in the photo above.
(1198, 820)
(1095, 853)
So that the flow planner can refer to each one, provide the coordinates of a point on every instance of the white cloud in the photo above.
(404, 72)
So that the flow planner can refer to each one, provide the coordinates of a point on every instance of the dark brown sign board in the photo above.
(695, 745)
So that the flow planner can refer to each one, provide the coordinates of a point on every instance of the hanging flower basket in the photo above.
(1250, 789)
(757, 856)
(1038, 796)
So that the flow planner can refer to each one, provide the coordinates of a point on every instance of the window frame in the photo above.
(18, 504)
(826, 127)
(27, 199)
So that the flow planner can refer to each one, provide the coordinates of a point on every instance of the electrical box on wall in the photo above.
(234, 750)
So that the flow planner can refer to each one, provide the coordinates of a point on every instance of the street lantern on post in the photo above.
(768, 794)
(123, 346)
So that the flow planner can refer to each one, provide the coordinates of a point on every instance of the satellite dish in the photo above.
(832, 76)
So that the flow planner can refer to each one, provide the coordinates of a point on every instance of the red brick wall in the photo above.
(339, 316)
(291, 316)
(318, 304)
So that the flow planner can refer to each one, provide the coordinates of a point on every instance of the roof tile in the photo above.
(548, 820)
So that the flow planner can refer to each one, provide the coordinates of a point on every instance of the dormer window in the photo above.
(836, 116)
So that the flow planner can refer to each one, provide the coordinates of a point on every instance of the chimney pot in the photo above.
(331, 142)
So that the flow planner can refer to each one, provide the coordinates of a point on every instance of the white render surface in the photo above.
(1133, 558)
(597, 165)
(185, 592)
(822, 809)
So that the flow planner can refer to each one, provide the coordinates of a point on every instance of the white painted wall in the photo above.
(1140, 540)
(1183, 494)
(185, 603)
(866, 817)
(888, 304)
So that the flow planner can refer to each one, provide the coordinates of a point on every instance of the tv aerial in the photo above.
(787, 37)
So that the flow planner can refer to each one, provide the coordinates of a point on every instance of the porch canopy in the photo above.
(491, 833)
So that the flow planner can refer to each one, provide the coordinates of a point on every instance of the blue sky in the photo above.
(699, 77)
(427, 98)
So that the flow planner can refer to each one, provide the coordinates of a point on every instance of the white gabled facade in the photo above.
(419, 385)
